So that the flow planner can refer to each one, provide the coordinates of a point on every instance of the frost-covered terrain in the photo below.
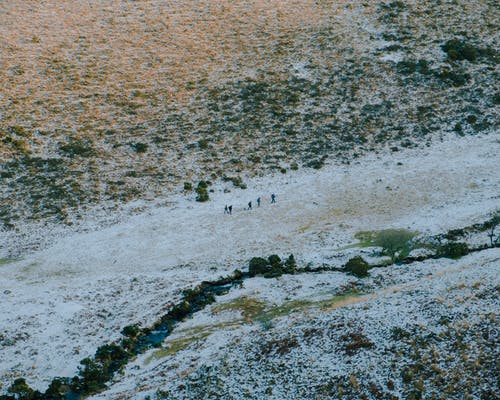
(368, 120)
(58, 304)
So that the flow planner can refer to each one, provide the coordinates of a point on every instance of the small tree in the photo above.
(290, 264)
(202, 192)
(21, 390)
(357, 266)
(494, 238)
(274, 260)
(453, 250)
(258, 265)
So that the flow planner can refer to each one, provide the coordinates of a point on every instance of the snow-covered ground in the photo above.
(59, 303)
(300, 350)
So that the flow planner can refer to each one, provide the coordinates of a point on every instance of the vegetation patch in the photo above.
(249, 307)
(77, 148)
(357, 266)
(4, 261)
(355, 341)
(395, 243)
(202, 191)
(453, 250)
(174, 346)
(272, 267)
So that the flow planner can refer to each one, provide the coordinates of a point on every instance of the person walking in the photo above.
(249, 205)
(273, 198)
(258, 201)
(230, 209)
(226, 210)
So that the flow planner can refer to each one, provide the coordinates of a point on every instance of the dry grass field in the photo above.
(82, 68)
(118, 100)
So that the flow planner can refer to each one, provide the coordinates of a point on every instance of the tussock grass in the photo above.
(86, 67)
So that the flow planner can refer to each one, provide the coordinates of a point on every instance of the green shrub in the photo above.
(354, 341)
(188, 186)
(274, 260)
(202, 192)
(258, 265)
(139, 147)
(406, 67)
(180, 310)
(290, 264)
(203, 144)
(453, 250)
(56, 390)
(236, 180)
(131, 330)
(77, 147)
(395, 243)
(93, 377)
(452, 77)
(459, 50)
(21, 390)
(357, 266)
(112, 357)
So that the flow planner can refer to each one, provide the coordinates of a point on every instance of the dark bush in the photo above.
(274, 260)
(77, 147)
(112, 357)
(202, 192)
(93, 377)
(20, 390)
(453, 250)
(452, 77)
(56, 390)
(236, 180)
(290, 264)
(258, 265)
(459, 50)
(315, 164)
(496, 98)
(203, 144)
(139, 147)
(180, 310)
(188, 186)
(355, 341)
(406, 67)
(357, 266)
(131, 331)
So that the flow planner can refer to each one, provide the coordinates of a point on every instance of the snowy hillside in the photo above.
(61, 303)
(127, 128)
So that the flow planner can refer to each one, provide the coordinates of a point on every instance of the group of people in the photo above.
(229, 209)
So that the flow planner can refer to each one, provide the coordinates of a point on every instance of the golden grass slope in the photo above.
(80, 66)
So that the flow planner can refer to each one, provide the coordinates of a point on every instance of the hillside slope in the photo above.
(104, 103)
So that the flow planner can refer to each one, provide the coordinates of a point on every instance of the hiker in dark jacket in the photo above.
(226, 210)
(273, 198)
(249, 205)
(230, 209)
(258, 201)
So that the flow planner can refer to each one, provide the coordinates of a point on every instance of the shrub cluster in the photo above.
(202, 191)
(77, 148)
(236, 180)
(357, 266)
(272, 267)
(139, 147)
(459, 50)
(453, 250)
